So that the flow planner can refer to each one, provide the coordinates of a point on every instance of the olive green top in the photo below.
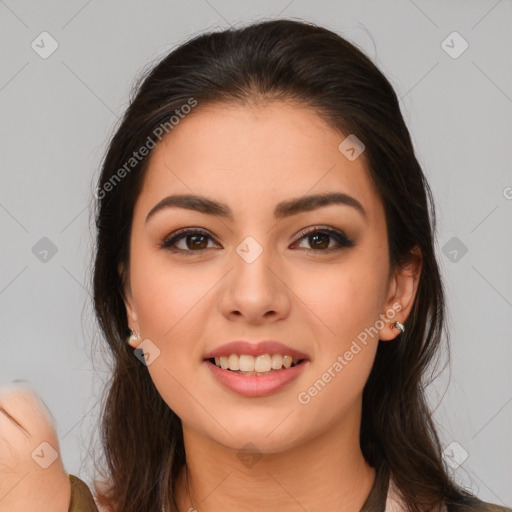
(81, 497)
(83, 501)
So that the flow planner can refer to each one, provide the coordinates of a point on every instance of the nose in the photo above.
(255, 290)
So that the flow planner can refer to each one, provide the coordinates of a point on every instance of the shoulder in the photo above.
(477, 506)
(468, 503)
(82, 499)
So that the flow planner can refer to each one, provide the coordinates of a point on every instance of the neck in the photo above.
(327, 472)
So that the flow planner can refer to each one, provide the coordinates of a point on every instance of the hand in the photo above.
(32, 476)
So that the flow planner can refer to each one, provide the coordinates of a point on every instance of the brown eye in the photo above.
(319, 239)
(195, 240)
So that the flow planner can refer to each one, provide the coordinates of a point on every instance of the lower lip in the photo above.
(253, 385)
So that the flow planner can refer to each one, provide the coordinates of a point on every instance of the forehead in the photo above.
(255, 154)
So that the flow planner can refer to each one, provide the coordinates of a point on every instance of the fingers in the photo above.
(31, 469)
(26, 423)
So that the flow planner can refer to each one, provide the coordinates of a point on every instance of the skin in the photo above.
(251, 158)
(32, 476)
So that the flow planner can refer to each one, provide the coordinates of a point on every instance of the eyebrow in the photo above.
(282, 210)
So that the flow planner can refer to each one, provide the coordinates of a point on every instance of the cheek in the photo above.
(171, 302)
(343, 300)
(166, 295)
(346, 304)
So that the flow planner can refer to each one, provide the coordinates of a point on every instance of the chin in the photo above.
(268, 435)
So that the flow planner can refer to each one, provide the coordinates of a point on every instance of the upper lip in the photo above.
(256, 349)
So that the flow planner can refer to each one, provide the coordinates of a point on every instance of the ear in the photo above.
(402, 289)
(131, 313)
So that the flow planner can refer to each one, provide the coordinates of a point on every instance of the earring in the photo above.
(134, 336)
(400, 326)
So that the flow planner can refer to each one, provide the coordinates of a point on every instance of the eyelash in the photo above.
(338, 236)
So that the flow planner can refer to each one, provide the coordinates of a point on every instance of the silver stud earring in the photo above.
(400, 326)
(134, 336)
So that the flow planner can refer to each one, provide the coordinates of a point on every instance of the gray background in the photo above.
(58, 114)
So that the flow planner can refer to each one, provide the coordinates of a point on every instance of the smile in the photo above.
(252, 383)
(246, 364)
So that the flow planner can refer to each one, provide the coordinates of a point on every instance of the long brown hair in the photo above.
(291, 61)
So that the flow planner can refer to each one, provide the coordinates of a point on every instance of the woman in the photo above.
(266, 279)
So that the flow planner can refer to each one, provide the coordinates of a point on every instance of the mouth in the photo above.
(256, 369)
(259, 366)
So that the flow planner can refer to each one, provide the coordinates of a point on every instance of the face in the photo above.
(316, 280)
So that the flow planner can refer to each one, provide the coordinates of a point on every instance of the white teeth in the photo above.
(277, 361)
(263, 363)
(260, 364)
(246, 363)
(234, 362)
